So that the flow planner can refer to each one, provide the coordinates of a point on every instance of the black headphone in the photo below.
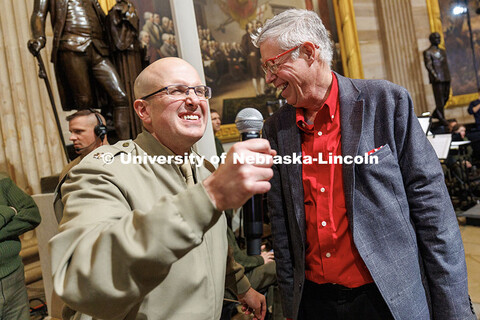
(100, 129)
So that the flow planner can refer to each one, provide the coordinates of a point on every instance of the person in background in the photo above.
(87, 132)
(451, 123)
(355, 239)
(461, 131)
(18, 214)
(216, 125)
(460, 164)
(260, 271)
(474, 109)
(459, 134)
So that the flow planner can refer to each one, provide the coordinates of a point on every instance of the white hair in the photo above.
(147, 15)
(294, 27)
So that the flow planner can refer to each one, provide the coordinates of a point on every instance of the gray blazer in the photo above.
(399, 210)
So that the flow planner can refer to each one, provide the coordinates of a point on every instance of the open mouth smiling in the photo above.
(189, 116)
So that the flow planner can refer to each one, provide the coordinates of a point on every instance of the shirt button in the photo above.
(322, 189)
(328, 255)
(333, 116)
(320, 133)
(324, 223)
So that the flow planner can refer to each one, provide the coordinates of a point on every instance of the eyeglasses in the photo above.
(272, 66)
(181, 91)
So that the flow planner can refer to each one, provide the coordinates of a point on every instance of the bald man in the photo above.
(81, 125)
(143, 237)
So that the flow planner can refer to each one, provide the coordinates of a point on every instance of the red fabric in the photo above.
(331, 256)
(374, 150)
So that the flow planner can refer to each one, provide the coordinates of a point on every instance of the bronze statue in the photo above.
(437, 66)
(128, 56)
(80, 55)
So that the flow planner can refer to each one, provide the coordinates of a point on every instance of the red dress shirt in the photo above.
(331, 255)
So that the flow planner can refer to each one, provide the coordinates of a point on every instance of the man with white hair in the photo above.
(355, 240)
(168, 48)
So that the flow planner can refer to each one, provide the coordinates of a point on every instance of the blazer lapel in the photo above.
(290, 135)
(351, 117)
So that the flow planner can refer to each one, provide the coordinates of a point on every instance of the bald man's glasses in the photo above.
(181, 91)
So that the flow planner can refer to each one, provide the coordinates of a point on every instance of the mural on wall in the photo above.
(232, 64)
(461, 31)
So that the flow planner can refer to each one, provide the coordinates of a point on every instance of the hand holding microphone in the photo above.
(234, 184)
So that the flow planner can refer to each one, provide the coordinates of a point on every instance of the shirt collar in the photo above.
(331, 103)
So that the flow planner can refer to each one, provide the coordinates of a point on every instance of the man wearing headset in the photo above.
(87, 132)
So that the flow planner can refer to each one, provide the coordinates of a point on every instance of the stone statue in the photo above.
(439, 75)
(80, 54)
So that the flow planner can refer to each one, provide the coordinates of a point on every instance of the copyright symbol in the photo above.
(108, 158)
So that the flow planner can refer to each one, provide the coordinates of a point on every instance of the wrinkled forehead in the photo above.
(269, 49)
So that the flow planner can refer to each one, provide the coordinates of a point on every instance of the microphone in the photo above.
(83, 148)
(249, 122)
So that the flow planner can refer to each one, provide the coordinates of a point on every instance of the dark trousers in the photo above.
(336, 302)
(81, 67)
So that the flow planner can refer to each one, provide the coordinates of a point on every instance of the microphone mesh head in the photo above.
(249, 120)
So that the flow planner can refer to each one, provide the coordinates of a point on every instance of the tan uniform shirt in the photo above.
(136, 243)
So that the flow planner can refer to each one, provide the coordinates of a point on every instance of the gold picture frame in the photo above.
(436, 26)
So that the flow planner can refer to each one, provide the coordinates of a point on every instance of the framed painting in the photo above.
(459, 26)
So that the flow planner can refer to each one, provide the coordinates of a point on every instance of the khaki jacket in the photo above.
(136, 243)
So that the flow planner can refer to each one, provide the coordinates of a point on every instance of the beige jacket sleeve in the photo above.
(236, 280)
(107, 257)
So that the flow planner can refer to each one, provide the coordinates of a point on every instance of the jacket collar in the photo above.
(150, 145)
(147, 142)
